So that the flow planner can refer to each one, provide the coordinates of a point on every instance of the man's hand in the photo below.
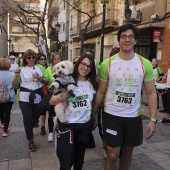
(95, 116)
(150, 130)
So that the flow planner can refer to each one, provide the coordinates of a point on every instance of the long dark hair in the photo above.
(91, 77)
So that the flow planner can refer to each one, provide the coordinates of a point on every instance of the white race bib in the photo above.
(81, 102)
(124, 99)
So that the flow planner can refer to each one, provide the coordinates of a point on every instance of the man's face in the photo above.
(127, 41)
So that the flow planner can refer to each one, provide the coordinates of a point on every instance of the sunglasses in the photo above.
(85, 65)
(74, 62)
(43, 59)
(29, 57)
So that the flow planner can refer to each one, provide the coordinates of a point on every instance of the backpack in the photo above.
(4, 94)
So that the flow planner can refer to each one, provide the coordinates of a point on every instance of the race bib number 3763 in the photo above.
(124, 99)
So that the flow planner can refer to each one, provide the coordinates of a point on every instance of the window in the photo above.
(16, 29)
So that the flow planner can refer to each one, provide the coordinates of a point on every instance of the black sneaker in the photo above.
(163, 111)
(43, 132)
(32, 146)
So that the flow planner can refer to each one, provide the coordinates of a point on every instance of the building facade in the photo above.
(23, 22)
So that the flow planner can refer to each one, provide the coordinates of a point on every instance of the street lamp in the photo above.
(57, 28)
(102, 32)
(12, 48)
(9, 47)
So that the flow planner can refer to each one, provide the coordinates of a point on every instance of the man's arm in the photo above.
(152, 103)
(99, 96)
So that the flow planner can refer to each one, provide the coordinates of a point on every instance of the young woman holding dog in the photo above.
(71, 151)
(55, 58)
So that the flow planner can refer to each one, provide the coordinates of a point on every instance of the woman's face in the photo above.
(30, 59)
(84, 67)
(12, 60)
(56, 59)
(42, 60)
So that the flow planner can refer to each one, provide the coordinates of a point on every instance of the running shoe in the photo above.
(5, 134)
(32, 146)
(43, 132)
(50, 137)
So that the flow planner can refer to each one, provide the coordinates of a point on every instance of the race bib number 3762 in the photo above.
(124, 99)
(81, 103)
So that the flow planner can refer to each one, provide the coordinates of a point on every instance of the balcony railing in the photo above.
(75, 32)
(95, 24)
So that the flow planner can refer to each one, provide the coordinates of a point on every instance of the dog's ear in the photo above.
(70, 66)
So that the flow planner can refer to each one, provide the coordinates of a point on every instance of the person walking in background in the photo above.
(122, 122)
(158, 74)
(90, 52)
(6, 106)
(55, 58)
(30, 78)
(166, 96)
(14, 64)
(80, 119)
(41, 59)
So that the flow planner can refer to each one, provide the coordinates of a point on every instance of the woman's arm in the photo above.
(55, 100)
(15, 81)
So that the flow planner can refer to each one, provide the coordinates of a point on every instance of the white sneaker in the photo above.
(50, 137)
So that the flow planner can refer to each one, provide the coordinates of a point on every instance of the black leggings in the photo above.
(30, 117)
(51, 116)
(5, 114)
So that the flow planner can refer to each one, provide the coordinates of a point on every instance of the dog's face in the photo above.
(63, 68)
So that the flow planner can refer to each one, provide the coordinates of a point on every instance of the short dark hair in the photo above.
(90, 51)
(39, 55)
(92, 74)
(126, 27)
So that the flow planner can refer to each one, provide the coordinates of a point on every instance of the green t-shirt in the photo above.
(50, 75)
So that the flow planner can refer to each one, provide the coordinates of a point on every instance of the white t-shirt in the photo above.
(123, 95)
(81, 108)
(13, 67)
(27, 82)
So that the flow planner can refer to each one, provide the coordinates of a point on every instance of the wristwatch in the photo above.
(153, 120)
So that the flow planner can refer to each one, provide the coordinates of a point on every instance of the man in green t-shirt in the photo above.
(122, 123)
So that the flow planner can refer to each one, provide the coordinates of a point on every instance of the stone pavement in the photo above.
(154, 154)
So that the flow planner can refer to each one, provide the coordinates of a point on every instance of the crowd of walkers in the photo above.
(110, 93)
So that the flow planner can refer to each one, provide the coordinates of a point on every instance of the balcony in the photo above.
(75, 32)
(94, 28)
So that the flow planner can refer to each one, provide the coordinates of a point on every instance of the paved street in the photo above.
(154, 154)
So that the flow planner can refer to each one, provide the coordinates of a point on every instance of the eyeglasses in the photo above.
(85, 65)
(42, 59)
(130, 37)
(12, 58)
(29, 57)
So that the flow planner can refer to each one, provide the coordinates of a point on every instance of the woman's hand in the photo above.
(17, 72)
(55, 100)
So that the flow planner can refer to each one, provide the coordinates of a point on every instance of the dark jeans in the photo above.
(5, 114)
(51, 116)
(30, 117)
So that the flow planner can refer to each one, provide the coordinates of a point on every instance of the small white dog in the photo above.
(64, 80)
